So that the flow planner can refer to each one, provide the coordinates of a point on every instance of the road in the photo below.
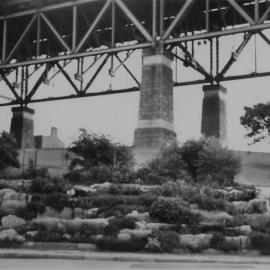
(49, 264)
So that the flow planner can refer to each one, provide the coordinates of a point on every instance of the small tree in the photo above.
(8, 151)
(256, 121)
(94, 150)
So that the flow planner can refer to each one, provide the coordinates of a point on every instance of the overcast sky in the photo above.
(116, 115)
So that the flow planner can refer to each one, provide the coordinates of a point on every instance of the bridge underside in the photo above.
(40, 40)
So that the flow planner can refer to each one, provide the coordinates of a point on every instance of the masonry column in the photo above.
(155, 125)
(22, 126)
(214, 112)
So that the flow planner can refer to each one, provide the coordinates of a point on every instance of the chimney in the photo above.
(53, 132)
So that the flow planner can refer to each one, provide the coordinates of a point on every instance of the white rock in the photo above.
(11, 221)
(124, 236)
(195, 242)
(137, 233)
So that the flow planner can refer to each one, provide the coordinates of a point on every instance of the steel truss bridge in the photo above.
(45, 36)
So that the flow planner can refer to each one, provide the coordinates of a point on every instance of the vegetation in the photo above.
(256, 121)
(8, 151)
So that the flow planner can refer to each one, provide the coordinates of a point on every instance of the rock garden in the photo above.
(185, 200)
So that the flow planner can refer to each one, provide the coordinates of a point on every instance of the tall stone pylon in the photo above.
(22, 126)
(214, 122)
(155, 124)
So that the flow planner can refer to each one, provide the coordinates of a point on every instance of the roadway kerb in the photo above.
(134, 257)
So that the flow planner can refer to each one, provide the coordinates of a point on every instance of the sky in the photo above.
(117, 115)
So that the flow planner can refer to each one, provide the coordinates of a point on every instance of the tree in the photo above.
(94, 150)
(256, 121)
(8, 151)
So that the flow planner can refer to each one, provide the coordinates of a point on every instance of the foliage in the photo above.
(169, 163)
(32, 172)
(119, 223)
(57, 201)
(219, 242)
(163, 241)
(45, 236)
(256, 120)
(47, 185)
(170, 210)
(8, 151)
(115, 244)
(93, 150)
(217, 164)
(260, 241)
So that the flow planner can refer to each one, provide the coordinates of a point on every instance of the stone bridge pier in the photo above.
(22, 126)
(155, 126)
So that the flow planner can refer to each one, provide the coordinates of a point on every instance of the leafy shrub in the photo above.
(117, 224)
(163, 241)
(94, 150)
(32, 172)
(45, 236)
(170, 210)
(57, 201)
(46, 185)
(261, 242)
(37, 205)
(219, 242)
(169, 163)
(106, 200)
(114, 244)
(208, 161)
(149, 177)
(8, 151)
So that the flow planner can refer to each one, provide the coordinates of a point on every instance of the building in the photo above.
(51, 141)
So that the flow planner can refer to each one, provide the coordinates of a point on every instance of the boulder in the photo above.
(85, 213)
(160, 226)
(49, 213)
(66, 213)
(11, 202)
(49, 224)
(195, 242)
(124, 236)
(139, 225)
(11, 237)
(11, 222)
(216, 217)
(137, 233)
(67, 237)
(139, 216)
(244, 229)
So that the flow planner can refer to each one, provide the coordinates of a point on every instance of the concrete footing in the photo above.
(22, 126)
(155, 125)
(214, 112)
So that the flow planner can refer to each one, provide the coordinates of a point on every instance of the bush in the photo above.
(261, 242)
(45, 236)
(207, 161)
(32, 172)
(47, 185)
(148, 177)
(117, 224)
(170, 210)
(169, 163)
(8, 151)
(94, 150)
(114, 244)
(57, 201)
(219, 242)
(163, 241)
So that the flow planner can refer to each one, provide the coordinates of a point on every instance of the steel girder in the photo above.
(40, 35)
